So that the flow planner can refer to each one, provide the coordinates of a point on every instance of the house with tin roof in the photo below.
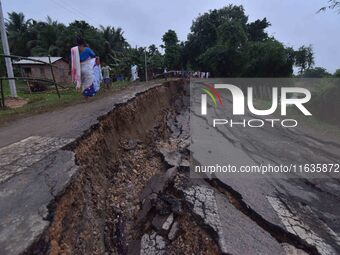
(41, 69)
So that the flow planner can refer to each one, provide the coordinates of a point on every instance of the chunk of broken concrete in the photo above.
(158, 183)
(173, 233)
(173, 158)
(168, 222)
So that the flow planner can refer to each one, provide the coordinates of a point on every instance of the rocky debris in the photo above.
(178, 229)
(158, 183)
(190, 238)
(131, 144)
(162, 207)
(172, 124)
(136, 170)
(173, 158)
(151, 196)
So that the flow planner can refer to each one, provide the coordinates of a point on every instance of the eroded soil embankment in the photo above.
(102, 211)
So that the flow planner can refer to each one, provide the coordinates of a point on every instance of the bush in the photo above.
(38, 87)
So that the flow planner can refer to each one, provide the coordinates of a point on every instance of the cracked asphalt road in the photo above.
(306, 206)
(249, 215)
(34, 169)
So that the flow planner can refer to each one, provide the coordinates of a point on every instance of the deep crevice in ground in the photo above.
(125, 197)
(101, 211)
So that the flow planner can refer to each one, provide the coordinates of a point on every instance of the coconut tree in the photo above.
(18, 29)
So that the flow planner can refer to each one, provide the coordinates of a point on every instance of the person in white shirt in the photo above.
(106, 75)
(134, 72)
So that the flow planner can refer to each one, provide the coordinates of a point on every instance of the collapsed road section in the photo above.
(124, 187)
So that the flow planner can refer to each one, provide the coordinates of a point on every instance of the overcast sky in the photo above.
(294, 22)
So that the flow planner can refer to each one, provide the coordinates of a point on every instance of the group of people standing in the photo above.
(86, 70)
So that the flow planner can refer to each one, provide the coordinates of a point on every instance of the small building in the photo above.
(32, 69)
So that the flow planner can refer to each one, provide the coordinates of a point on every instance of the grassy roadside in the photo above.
(310, 123)
(39, 102)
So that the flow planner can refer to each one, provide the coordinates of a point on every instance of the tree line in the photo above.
(221, 41)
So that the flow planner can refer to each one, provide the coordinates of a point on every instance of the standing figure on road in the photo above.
(82, 68)
(106, 75)
(98, 77)
(134, 72)
(165, 73)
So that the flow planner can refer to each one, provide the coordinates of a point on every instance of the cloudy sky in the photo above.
(294, 22)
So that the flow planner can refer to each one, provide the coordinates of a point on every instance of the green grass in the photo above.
(310, 122)
(37, 101)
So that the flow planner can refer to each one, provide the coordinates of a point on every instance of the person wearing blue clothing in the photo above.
(87, 61)
(85, 54)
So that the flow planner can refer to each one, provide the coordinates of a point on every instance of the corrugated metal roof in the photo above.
(31, 62)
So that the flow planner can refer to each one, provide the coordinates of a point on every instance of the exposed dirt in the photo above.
(192, 240)
(103, 211)
(12, 102)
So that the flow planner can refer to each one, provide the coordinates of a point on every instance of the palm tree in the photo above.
(48, 38)
(114, 43)
(19, 33)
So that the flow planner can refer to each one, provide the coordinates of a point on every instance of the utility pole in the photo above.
(8, 61)
(146, 66)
